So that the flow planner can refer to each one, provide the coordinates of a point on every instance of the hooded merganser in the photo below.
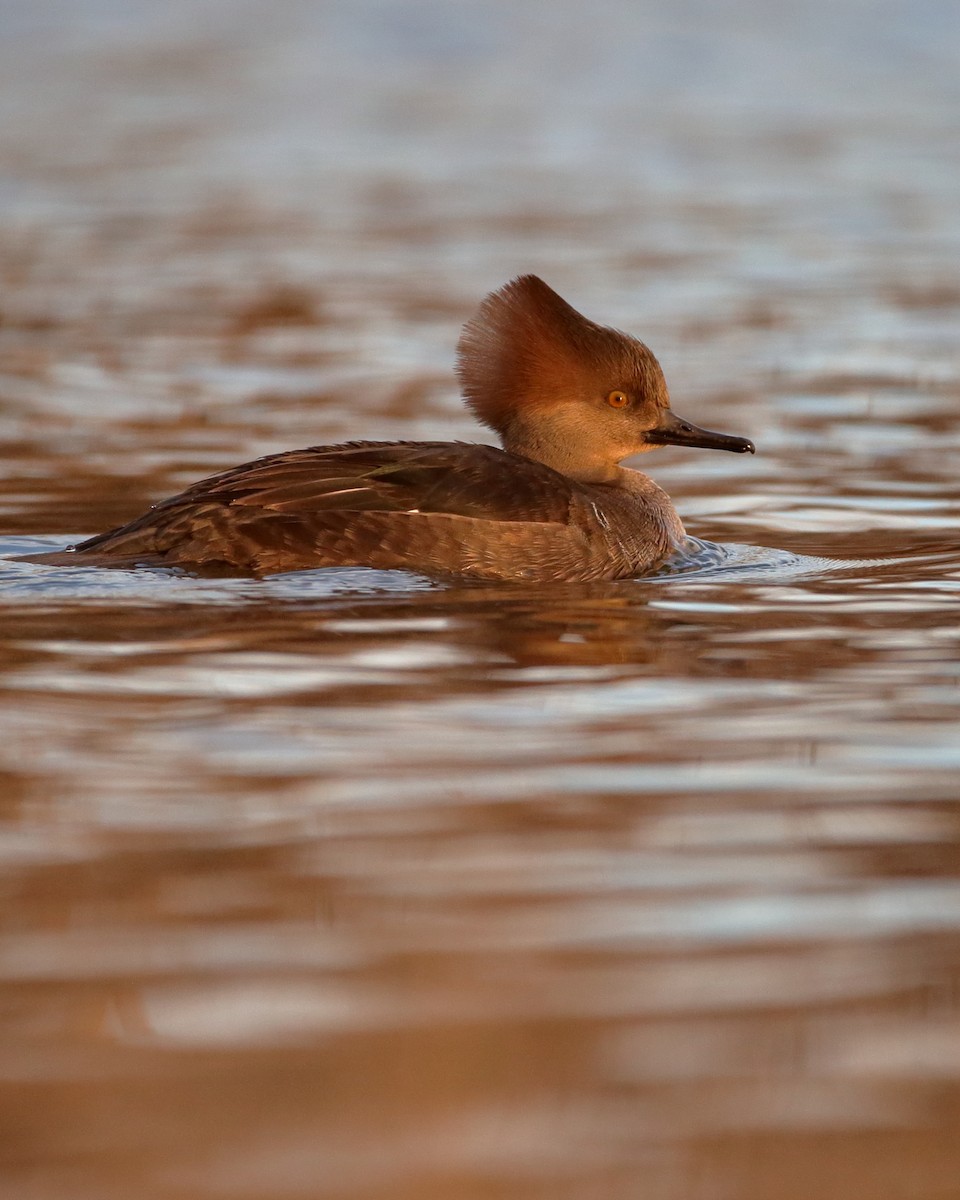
(570, 400)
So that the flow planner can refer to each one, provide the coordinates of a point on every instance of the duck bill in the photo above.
(674, 431)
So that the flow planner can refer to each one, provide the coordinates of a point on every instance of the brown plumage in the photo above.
(569, 398)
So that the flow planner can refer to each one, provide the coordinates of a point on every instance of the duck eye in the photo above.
(618, 399)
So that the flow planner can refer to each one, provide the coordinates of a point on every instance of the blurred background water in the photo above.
(348, 884)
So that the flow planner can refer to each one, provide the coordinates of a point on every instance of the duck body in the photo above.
(570, 399)
(440, 508)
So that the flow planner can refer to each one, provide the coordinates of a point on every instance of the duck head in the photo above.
(564, 391)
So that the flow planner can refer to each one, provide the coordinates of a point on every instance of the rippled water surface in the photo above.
(354, 884)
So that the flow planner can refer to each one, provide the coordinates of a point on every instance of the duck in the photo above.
(569, 399)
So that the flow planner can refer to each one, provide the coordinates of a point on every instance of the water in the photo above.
(354, 884)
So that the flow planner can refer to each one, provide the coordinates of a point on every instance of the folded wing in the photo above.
(430, 506)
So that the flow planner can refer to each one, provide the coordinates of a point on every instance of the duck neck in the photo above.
(564, 450)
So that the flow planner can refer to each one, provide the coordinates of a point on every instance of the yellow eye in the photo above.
(618, 399)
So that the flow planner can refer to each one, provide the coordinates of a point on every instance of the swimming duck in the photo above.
(569, 399)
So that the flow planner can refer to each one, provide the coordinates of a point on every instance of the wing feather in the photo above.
(440, 477)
